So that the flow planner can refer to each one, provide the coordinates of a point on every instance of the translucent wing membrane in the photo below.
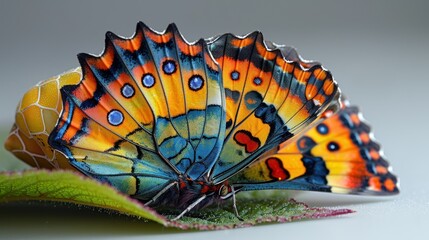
(338, 155)
(268, 98)
(146, 111)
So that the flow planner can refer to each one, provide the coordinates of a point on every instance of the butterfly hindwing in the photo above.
(268, 98)
(338, 155)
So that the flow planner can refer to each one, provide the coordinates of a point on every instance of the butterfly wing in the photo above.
(338, 155)
(147, 110)
(182, 85)
(269, 99)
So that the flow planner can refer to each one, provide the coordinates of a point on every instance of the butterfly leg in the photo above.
(154, 198)
(190, 207)
(234, 204)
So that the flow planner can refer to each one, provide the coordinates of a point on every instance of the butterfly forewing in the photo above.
(152, 104)
(269, 99)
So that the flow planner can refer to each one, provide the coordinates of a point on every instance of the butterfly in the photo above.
(187, 125)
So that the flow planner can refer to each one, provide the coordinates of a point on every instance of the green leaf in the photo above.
(67, 186)
(71, 187)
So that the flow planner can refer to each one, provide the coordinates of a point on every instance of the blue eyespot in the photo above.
(115, 117)
(127, 91)
(257, 81)
(196, 82)
(235, 75)
(148, 80)
(333, 146)
(169, 67)
(322, 129)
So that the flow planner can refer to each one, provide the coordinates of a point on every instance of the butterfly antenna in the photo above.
(154, 198)
(190, 207)
(234, 204)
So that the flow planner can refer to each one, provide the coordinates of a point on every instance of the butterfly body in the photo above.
(186, 125)
(183, 193)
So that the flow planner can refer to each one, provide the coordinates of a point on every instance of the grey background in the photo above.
(376, 50)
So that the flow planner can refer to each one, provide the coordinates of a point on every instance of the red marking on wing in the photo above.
(245, 138)
(375, 184)
(390, 185)
(276, 169)
(375, 155)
